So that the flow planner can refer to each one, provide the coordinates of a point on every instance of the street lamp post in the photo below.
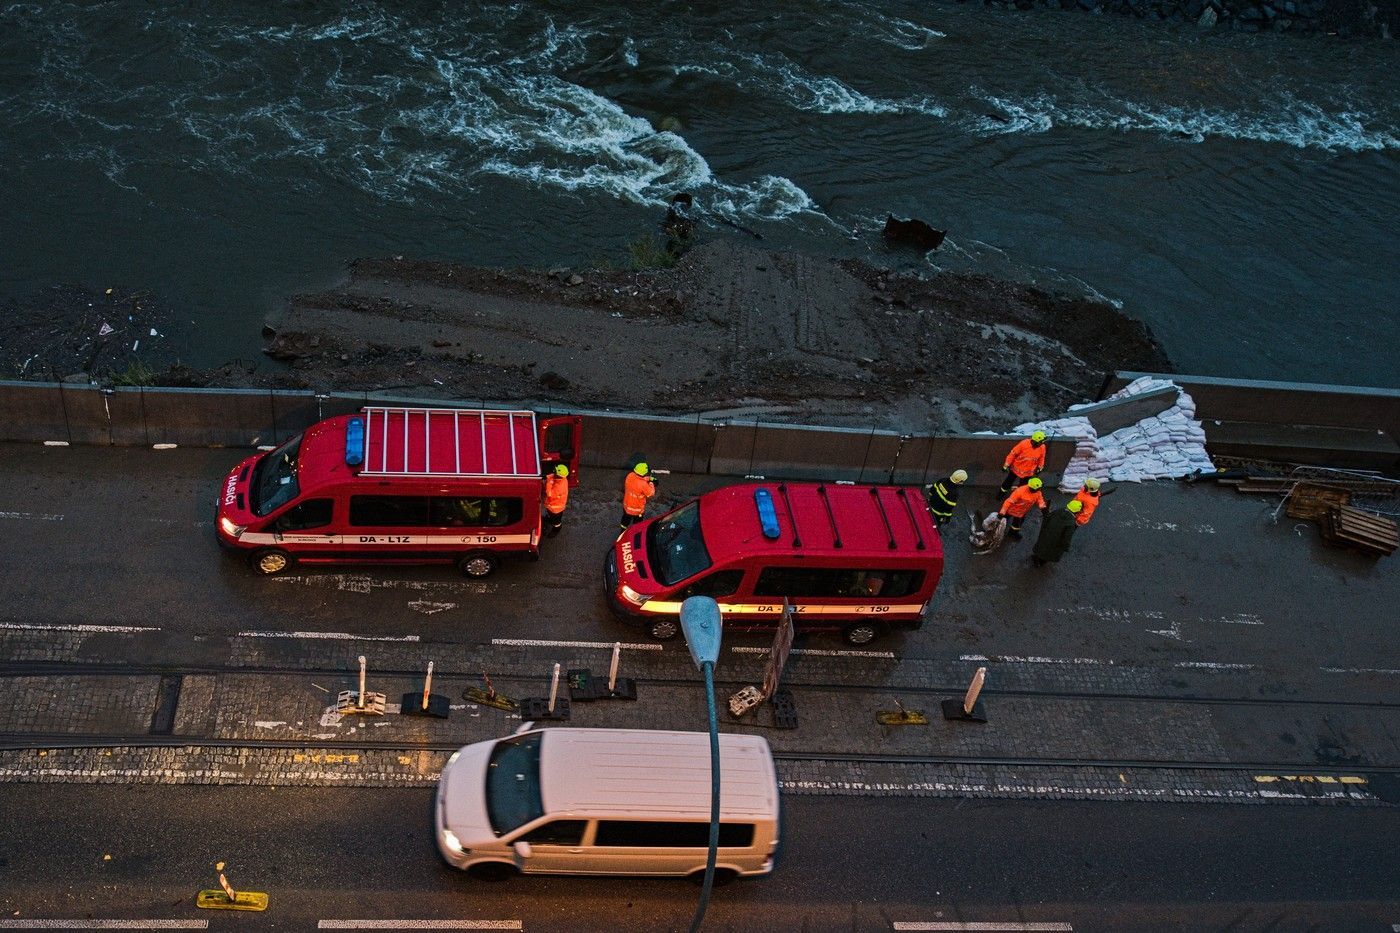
(701, 622)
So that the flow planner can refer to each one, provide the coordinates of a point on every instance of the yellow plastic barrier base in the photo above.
(911, 717)
(218, 900)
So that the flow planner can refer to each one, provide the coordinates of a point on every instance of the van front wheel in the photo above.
(270, 560)
(492, 871)
(663, 629)
(861, 633)
(478, 564)
(722, 877)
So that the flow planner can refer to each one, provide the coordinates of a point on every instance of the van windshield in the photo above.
(676, 547)
(513, 783)
(275, 478)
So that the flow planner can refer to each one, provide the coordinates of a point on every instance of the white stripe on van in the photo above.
(382, 540)
(666, 607)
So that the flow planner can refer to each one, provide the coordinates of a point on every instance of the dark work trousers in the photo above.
(1012, 481)
(629, 520)
(552, 522)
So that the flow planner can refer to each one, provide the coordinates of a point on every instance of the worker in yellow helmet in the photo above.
(943, 496)
(637, 488)
(1026, 459)
(556, 498)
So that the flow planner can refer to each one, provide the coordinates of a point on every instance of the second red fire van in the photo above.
(399, 485)
(853, 559)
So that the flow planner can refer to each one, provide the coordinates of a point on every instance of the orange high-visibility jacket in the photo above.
(556, 494)
(1020, 501)
(1026, 459)
(1089, 501)
(636, 490)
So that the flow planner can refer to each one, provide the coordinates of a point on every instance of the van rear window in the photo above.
(435, 511)
(659, 834)
(838, 582)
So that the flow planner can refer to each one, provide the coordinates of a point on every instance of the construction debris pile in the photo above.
(1330, 498)
(1164, 446)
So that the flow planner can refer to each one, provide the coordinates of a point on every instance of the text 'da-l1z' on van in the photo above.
(607, 802)
(399, 485)
(848, 558)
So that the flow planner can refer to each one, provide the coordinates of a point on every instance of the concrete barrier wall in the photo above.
(253, 417)
(1107, 417)
(1263, 402)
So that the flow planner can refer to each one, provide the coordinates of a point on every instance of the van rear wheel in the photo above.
(663, 629)
(861, 633)
(270, 560)
(492, 871)
(478, 564)
(722, 877)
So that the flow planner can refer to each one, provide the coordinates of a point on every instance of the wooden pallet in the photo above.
(1310, 501)
(1347, 527)
(1279, 485)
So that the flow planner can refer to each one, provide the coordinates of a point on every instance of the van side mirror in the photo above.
(522, 850)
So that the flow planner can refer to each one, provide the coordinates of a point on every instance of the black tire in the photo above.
(270, 561)
(664, 628)
(478, 564)
(862, 633)
(723, 876)
(492, 871)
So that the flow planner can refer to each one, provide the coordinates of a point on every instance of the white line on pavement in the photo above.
(988, 925)
(32, 516)
(1361, 670)
(1215, 666)
(819, 652)
(11, 924)
(78, 628)
(343, 636)
(546, 643)
(420, 925)
(1025, 659)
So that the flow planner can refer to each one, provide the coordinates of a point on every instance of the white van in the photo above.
(607, 802)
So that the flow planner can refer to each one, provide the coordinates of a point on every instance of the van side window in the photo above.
(388, 510)
(820, 581)
(559, 833)
(658, 834)
(313, 513)
(720, 583)
(475, 511)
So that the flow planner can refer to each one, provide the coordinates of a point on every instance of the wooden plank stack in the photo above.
(1310, 501)
(1343, 526)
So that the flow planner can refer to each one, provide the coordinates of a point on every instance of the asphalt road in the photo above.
(857, 865)
(1165, 573)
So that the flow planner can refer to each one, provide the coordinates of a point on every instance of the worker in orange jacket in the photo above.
(637, 488)
(1018, 505)
(1088, 499)
(1026, 459)
(556, 499)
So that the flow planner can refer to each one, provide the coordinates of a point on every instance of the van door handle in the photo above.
(578, 851)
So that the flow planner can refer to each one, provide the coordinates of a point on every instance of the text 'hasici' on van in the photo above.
(399, 485)
(854, 559)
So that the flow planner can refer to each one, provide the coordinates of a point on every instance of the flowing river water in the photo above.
(1237, 192)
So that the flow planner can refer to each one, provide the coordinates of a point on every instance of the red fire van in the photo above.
(854, 559)
(399, 485)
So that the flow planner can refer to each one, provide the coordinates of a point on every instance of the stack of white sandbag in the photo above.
(1165, 446)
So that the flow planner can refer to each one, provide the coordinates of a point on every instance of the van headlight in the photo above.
(229, 528)
(452, 843)
(632, 596)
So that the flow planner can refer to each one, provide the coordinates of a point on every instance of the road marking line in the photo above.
(819, 652)
(342, 636)
(1024, 659)
(32, 516)
(420, 925)
(988, 925)
(1214, 666)
(104, 924)
(1361, 670)
(38, 626)
(363, 583)
(547, 643)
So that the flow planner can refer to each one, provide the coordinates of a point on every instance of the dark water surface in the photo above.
(1239, 193)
